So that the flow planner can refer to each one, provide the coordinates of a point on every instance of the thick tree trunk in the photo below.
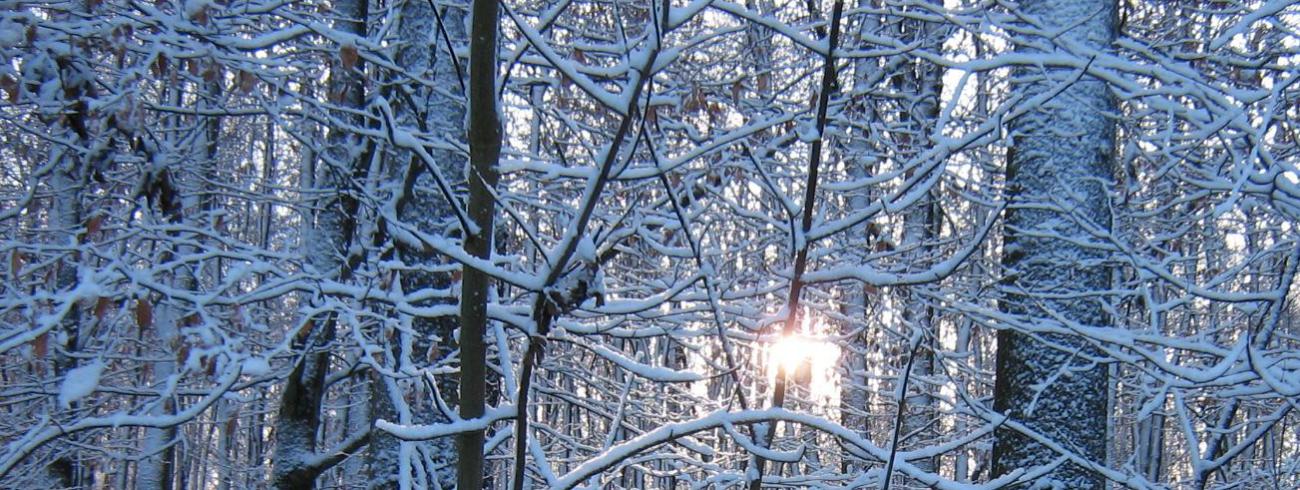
(64, 470)
(157, 469)
(68, 182)
(1058, 172)
(436, 106)
(327, 249)
(299, 416)
(384, 455)
(855, 399)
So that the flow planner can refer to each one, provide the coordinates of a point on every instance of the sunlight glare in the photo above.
(793, 351)
(809, 361)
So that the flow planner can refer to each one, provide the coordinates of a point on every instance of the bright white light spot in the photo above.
(809, 363)
(794, 351)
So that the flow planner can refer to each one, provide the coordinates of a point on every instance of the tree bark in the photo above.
(921, 84)
(1058, 172)
(484, 151)
(327, 247)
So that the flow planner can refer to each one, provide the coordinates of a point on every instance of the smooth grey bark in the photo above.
(1058, 171)
(861, 149)
(227, 418)
(484, 151)
(1149, 446)
(919, 84)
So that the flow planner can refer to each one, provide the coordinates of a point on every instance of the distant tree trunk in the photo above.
(67, 219)
(1058, 170)
(1149, 446)
(921, 85)
(961, 460)
(484, 151)
(157, 469)
(855, 398)
(227, 419)
(384, 455)
(68, 182)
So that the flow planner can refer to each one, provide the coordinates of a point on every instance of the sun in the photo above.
(794, 353)
(790, 352)
(809, 357)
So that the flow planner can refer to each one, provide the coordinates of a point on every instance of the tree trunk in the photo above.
(921, 86)
(68, 183)
(484, 150)
(428, 39)
(1061, 158)
(326, 248)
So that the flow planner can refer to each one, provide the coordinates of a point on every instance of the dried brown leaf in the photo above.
(348, 55)
(159, 65)
(94, 224)
(10, 86)
(16, 260)
(200, 16)
(41, 346)
(101, 307)
(246, 81)
(143, 314)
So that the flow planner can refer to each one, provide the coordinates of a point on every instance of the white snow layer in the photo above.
(80, 383)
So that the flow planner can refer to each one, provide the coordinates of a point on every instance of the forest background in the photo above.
(649, 244)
